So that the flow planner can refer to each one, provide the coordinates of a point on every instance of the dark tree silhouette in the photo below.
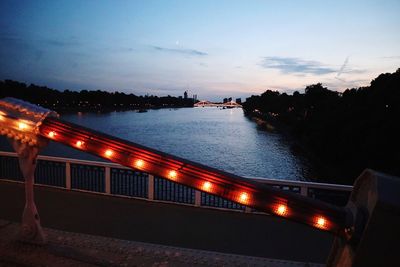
(350, 132)
(86, 100)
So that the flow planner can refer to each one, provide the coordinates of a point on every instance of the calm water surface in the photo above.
(224, 139)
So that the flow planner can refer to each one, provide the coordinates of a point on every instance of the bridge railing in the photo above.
(114, 179)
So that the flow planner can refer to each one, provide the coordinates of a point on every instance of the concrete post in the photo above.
(197, 198)
(150, 189)
(374, 239)
(304, 191)
(108, 180)
(68, 175)
(31, 229)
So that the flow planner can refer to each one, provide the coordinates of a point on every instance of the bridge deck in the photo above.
(169, 224)
(80, 250)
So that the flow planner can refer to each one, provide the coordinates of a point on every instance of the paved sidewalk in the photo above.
(72, 249)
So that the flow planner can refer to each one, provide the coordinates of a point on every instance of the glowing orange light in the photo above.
(79, 143)
(139, 163)
(172, 174)
(320, 222)
(22, 125)
(108, 152)
(207, 186)
(1, 117)
(281, 210)
(52, 134)
(244, 197)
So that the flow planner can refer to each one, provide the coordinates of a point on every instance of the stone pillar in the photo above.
(31, 229)
(375, 237)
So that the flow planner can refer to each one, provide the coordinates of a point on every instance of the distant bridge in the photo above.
(205, 103)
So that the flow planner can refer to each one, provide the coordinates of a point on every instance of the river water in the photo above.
(220, 138)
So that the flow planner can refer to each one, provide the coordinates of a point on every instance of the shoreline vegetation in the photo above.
(342, 133)
(88, 101)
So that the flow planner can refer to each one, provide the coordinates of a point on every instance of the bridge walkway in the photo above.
(169, 224)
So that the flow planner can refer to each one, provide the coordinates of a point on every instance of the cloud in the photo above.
(190, 52)
(296, 65)
(346, 69)
(346, 61)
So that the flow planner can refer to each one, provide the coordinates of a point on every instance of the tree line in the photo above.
(347, 131)
(86, 100)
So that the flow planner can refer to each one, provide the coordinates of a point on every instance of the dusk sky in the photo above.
(212, 48)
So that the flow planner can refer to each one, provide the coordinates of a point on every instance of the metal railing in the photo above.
(114, 179)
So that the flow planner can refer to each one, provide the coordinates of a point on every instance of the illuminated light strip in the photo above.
(228, 186)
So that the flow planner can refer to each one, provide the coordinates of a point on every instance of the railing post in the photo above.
(150, 186)
(304, 190)
(197, 198)
(68, 175)
(108, 180)
(374, 206)
(31, 230)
